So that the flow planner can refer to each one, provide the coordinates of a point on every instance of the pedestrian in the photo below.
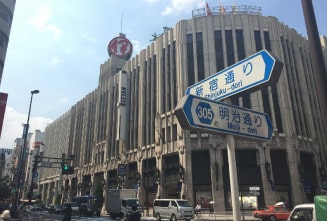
(211, 209)
(5, 215)
(67, 212)
(197, 209)
(134, 215)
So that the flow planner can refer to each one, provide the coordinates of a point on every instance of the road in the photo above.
(221, 217)
(54, 217)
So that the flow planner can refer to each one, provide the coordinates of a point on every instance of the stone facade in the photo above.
(7, 8)
(161, 159)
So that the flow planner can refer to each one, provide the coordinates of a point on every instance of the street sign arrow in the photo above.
(210, 116)
(261, 69)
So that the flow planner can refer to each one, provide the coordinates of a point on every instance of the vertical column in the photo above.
(216, 178)
(105, 186)
(297, 193)
(267, 179)
(182, 173)
(159, 176)
(188, 181)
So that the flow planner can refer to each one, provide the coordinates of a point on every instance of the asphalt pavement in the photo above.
(199, 217)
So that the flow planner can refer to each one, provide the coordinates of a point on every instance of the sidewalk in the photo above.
(215, 216)
(225, 217)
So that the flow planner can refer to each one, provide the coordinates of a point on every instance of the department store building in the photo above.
(124, 134)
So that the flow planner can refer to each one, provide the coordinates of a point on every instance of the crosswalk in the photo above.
(90, 218)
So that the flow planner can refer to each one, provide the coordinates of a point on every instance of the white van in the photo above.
(303, 212)
(173, 209)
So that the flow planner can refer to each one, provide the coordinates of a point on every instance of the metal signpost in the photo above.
(261, 69)
(257, 71)
(214, 117)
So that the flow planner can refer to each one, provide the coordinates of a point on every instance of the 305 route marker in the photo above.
(215, 117)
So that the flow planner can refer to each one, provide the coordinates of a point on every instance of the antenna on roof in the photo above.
(121, 22)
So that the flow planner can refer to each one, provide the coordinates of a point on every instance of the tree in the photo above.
(58, 199)
(99, 195)
(5, 190)
(155, 35)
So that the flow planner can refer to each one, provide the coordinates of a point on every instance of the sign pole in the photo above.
(233, 178)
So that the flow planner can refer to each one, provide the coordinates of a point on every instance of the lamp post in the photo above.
(22, 153)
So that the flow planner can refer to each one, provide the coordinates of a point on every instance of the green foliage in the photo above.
(5, 190)
(58, 199)
(155, 35)
(99, 195)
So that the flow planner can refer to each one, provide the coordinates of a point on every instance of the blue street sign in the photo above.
(121, 169)
(210, 116)
(259, 69)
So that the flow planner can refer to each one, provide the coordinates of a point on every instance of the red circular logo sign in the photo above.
(120, 47)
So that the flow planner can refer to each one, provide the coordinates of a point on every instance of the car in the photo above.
(74, 206)
(257, 213)
(55, 209)
(36, 208)
(42, 206)
(303, 212)
(272, 213)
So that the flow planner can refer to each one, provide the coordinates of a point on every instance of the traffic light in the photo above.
(67, 169)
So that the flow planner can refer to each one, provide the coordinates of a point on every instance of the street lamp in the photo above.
(22, 153)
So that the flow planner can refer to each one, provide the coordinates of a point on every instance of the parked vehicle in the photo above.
(172, 209)
(120, 202)
(316, 211)
(42, 206)
(305, 212)
(272, 213)
(55, 209)
(88, 205)
(74, 206)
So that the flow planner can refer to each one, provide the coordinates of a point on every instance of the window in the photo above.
(190, 59)
(219, 51)
(267, 40)
(304, 214)
(5, 13)
(199, 53)
(240, 45)
(3, 40)
(257, 38)
(229, 47)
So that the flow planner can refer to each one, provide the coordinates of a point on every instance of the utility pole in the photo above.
(318, 64)
(320, 77)
(34, 174)
(63, 156)
(22, 158)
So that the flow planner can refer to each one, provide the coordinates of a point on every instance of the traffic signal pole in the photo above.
(63, 165)
(34, 174)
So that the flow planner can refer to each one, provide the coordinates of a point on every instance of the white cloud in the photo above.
(55, 60)
(88, 37)
(69, 51)
(41, 19)
(177, 6)
(137, 47)
(54, 29)
(65, 100)
(168, 10)
(13, 126)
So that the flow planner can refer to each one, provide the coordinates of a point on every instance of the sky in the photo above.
(57, 47)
